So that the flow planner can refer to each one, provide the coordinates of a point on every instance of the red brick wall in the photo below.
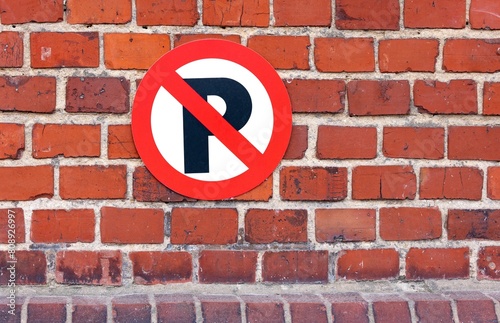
(391, 174)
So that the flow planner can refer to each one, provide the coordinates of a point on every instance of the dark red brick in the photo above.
(11, 140)
(220, 309)
(348, 307)
(431, 308)
(430, 263)
(264, 309)
(47, 309)
(148, 189)
(10, 310)
(217, 266)
(126, 308)
(404, 223)
(282, 226)
(373, 97)
(181, 39)
(374, 15)
(28, 94)
(313, 183)
(344, 54)
(334, 225)
(390, 308)
(295, 267)
(172, 13)
(307, 308)
(89, 309)
(488, 263)
(383, 182)
(453, 97)
(408, 142)
(474, 307)
(434, 13)
(16, 223)
(368, 264)
(316, 96)
(298, 143)
(31, 267)
(155, 267)
(346, 142)
(408, 55)
(175, 308)
(473, 224)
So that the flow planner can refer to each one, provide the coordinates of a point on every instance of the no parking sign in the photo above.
(211, 119)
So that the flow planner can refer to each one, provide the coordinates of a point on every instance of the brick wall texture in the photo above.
(391, 181)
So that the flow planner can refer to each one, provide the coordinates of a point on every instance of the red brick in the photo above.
(181, 39)
(368, 264)
(148, 189)
(89, 267)
(437, 263)
(264, 309)
(12, 219)
(451, 183)
(346, 142)
(390, 309)
(17, 183)
(31, 267)
(300, 13)
(399, 224)
(175, 308)
(93, 182)
(204, 226)
(298, 143)
(283, 52)
(491, 99)
(484, 14)
(88, 309)
(220, 309)
(494, 183)
(132, 225)
(134, 51)
(12, 54)
(295, 267)
(474, 143)
(263, 192)
(434, 13)
(157, 267)
(316, 96)
(375, 15)
(173, 13)
(307, 308)
(474, 307)
(11, 140)
(282, 226)
(95, 12)
(56, 226)
(135, 308)
(47, 309)
(12, 314)
(430, 308)
(348, 307)
(68, 140)
(473, 224)
(245, 13)
(408, 142)
(408, 55)
(120, 142)
(344, 54)
(345, 225)
(383, 182)
(97, 95)
(488, 263)
(30, 11)
(471, 55)
(28, 94)
(52, 49)
(313, 183)
(232, 267)
(454, 97)
(369, 97)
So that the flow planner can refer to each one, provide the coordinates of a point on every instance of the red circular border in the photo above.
(260, 169)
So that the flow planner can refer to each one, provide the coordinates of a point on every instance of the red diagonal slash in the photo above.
(210, 118)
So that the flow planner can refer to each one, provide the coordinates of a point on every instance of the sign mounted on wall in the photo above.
(211, 119)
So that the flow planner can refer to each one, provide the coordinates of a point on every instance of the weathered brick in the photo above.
(123, 226)
(101, 182)
(155, 267)
(55, 49)
(16, 223)
(334, 225)
(12, 314)
(204, 226)
(390, 308)
(28, 94)
(488, 263)
(372, 97)
(484, 14)
(307, 308)
(131, 307)
(471, 55)
(348, 307)
(346, 142)
(295, 266)
(451, 183)
(473, 224)
(88, 309)
(89, 267)
(134, 51)
(474, 143)
(175, 308)
(408, 55)
(494, 183)
(97, 95)
(383, 182)
(313, 183)
(172, 13)
(96, 12)
(300, 13)
(17, 183)
(56, 226)
(491, 99)
(120, 142)
(68, 140)
(47, 309)
(316, 96)
(264, 309)
(368, 264)
(282, 226)
(31, 267)
(439, 263)
(406, 223)
(430, 308)
(181, 39)
(298, 143)
(474, 307)
(434, 13)
(344, 54)
(375, 15)
(11, 140)
(23, 11)
(454, 97)
(263, 192)
(148, 189)
(220, 308)
(221, 266)
(407, 142)
(283, 52)
(245, 13)
(12, 53)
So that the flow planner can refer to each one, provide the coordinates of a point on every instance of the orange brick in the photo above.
(408, 55)
(12, 53)
(22, 11)
(11, 140)
(302, 13)
(283, 52)
(247, 13)
(344, 54)
(172, 13)
(97, 12)
(120, 142)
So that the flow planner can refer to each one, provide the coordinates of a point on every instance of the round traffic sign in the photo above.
(211, 119)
